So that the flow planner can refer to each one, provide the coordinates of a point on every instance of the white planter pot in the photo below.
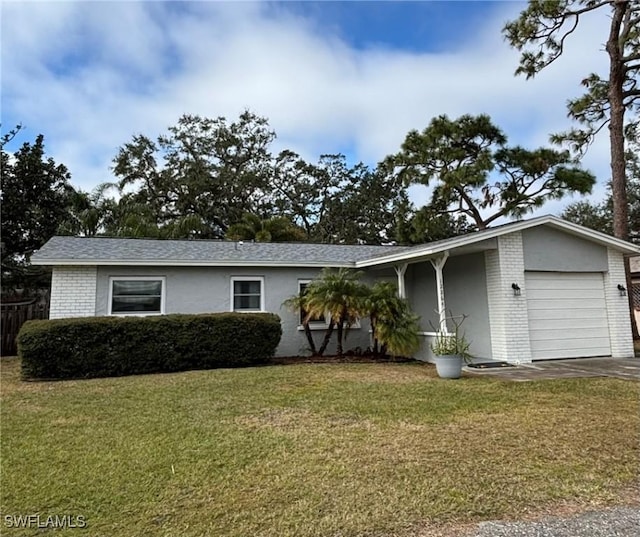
(449, 366)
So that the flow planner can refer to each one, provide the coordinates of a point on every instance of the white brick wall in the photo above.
(73, 292)
(617, 307)
(509, 320)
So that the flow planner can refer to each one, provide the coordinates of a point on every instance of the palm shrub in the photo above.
(394, 326)
(297, 303)
(381, 303)
(253, 228)
(340, 296)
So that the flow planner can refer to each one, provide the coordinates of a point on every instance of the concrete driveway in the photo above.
(622, 368)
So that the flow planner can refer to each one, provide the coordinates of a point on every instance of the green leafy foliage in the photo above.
(114, 346)
(478, 176)
(296, 303)
(10, 135)
(36, 197)
(334, 202)
(340, 296)
(211, 178)
(343, 299)
(89, 213)
(429, 223)
(275, 229)
(452, 343)
(596, 216)
(393, 325)
(599, 216)
(197, 179)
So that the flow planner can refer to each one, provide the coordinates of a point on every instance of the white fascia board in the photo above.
(420, 252)
(465, 240)
(168, 263)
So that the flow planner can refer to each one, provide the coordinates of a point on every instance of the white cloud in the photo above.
(90, 75)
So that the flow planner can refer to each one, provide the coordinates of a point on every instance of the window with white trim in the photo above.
(136, 295)
(247, 293)
(315, 322)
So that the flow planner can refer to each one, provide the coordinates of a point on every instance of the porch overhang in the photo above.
(420, 255)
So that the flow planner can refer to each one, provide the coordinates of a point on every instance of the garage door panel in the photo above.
(567, 315)
(564, 323)
(569, 334)
(584, 345)
(560, 354)
(561, 294)
(559, 281)
(567, 303)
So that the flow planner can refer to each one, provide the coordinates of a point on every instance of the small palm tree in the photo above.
(341, 297)
(380, 303)
(297, 303)
(393, 325)
(399, 334)
(276, 229)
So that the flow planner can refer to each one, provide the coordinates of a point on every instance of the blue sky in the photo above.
(351, 77)
(412, 26)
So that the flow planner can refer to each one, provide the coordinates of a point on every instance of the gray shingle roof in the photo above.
(116, 251)
(102, 250)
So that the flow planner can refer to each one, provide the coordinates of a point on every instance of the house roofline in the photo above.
(183, 263)
(490, 233)
(414, 254)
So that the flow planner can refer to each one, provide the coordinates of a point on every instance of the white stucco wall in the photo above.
(208, 289)
(73, 292)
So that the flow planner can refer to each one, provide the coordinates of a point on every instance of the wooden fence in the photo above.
(13, 316)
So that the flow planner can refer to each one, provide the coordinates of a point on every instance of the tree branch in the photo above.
(630, 58)
(475, 214)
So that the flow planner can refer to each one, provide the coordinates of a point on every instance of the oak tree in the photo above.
(199, 178)
(36, 195)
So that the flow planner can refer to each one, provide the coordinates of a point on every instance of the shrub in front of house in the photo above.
(115, 346)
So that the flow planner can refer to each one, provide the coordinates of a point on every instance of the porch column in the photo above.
(438, 265)
(400, 270)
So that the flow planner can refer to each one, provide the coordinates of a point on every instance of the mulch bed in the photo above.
(345, 359)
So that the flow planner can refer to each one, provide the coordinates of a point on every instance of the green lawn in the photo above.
(309, 450)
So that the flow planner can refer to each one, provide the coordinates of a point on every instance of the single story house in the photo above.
(533, 289)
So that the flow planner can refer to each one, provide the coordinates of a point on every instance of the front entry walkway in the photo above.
(622, 368)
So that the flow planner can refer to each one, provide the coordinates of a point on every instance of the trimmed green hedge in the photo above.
(113, 346)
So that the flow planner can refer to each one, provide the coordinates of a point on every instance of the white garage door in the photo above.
(567, 315)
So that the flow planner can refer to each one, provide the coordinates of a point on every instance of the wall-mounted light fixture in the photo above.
(622, 290)
(516, 289)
